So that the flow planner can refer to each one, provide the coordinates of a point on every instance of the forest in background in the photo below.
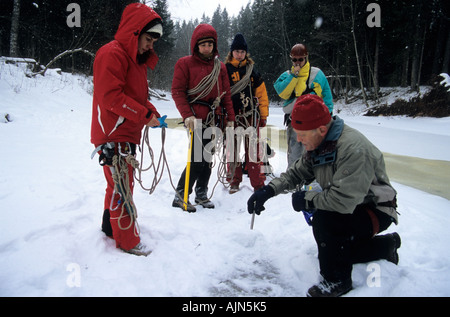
(408, 48)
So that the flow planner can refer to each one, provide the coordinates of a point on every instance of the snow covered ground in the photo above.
(51, 196)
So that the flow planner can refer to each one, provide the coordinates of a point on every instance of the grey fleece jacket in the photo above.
(350, 170)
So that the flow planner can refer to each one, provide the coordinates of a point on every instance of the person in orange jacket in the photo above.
(251, 108)
(120, 110)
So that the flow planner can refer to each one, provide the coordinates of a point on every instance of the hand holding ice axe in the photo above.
(255, 203)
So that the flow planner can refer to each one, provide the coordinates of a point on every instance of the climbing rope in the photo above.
(120, 175)
(205, 86)
(241, 84)
(157, 168)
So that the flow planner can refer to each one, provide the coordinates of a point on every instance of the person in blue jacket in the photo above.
(300, 80)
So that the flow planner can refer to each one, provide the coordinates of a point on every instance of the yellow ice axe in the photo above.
(188, 172)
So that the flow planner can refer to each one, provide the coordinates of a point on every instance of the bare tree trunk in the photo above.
(373, 71)
(357, 55)
(414, 67)
(13, 51)
(446, 62)
(376, 85)
(439, 47)
(346, 61)
(284, 38)
(405, 68)
(421, 60)
(415, 53)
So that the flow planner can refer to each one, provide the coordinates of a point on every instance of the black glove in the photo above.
(255, 203)
(299, 202)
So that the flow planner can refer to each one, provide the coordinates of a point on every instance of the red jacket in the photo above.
(120, 107)
(190, 70)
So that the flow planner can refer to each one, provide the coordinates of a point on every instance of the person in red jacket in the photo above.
(121, 109)
(201, 91)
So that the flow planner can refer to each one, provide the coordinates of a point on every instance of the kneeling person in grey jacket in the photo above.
(356, 202)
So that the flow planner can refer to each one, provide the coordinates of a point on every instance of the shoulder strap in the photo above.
(240, 85)
(312, 75)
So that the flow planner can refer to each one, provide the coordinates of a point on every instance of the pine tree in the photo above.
(161, 77)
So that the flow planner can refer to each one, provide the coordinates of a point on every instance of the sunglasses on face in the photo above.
(295, 60)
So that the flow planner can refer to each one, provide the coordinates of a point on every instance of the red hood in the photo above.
(201, 31)
(134, 18)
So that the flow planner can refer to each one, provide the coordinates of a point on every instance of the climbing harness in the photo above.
(119, 156)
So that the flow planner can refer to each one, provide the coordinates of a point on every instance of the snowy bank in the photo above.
(52, 193)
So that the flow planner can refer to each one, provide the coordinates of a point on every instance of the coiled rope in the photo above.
(205, 86)
(241, 84)
(121, 179)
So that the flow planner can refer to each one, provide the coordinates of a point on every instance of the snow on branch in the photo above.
(157, 95)
(82, 50)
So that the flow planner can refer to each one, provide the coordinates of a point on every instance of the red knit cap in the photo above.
(309, 113)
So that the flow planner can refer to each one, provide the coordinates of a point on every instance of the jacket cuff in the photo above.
(149, 114)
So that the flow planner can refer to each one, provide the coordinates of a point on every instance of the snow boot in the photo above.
(201, 197)
(396, 242)
(106, 224)
(234, 189)
(205, 202)
(139, 249)
(177, 202)
(330, 289)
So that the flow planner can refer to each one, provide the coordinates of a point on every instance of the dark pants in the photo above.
(345, 239)
(200, 170)
(200, 174)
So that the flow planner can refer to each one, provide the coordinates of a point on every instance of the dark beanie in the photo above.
(309, 113)
(239, 43)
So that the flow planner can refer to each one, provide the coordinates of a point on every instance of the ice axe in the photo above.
(253, 215)
(188, 173)
(253, 220)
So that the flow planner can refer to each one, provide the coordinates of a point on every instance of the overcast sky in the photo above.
(187, 9)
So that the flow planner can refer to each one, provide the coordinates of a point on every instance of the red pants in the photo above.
(125, 235)
(257, 178)
(254, 173)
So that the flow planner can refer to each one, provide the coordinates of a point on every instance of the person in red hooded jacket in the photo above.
(201, 91)
(121, 109)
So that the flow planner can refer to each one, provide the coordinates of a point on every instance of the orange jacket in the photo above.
(236, 71)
